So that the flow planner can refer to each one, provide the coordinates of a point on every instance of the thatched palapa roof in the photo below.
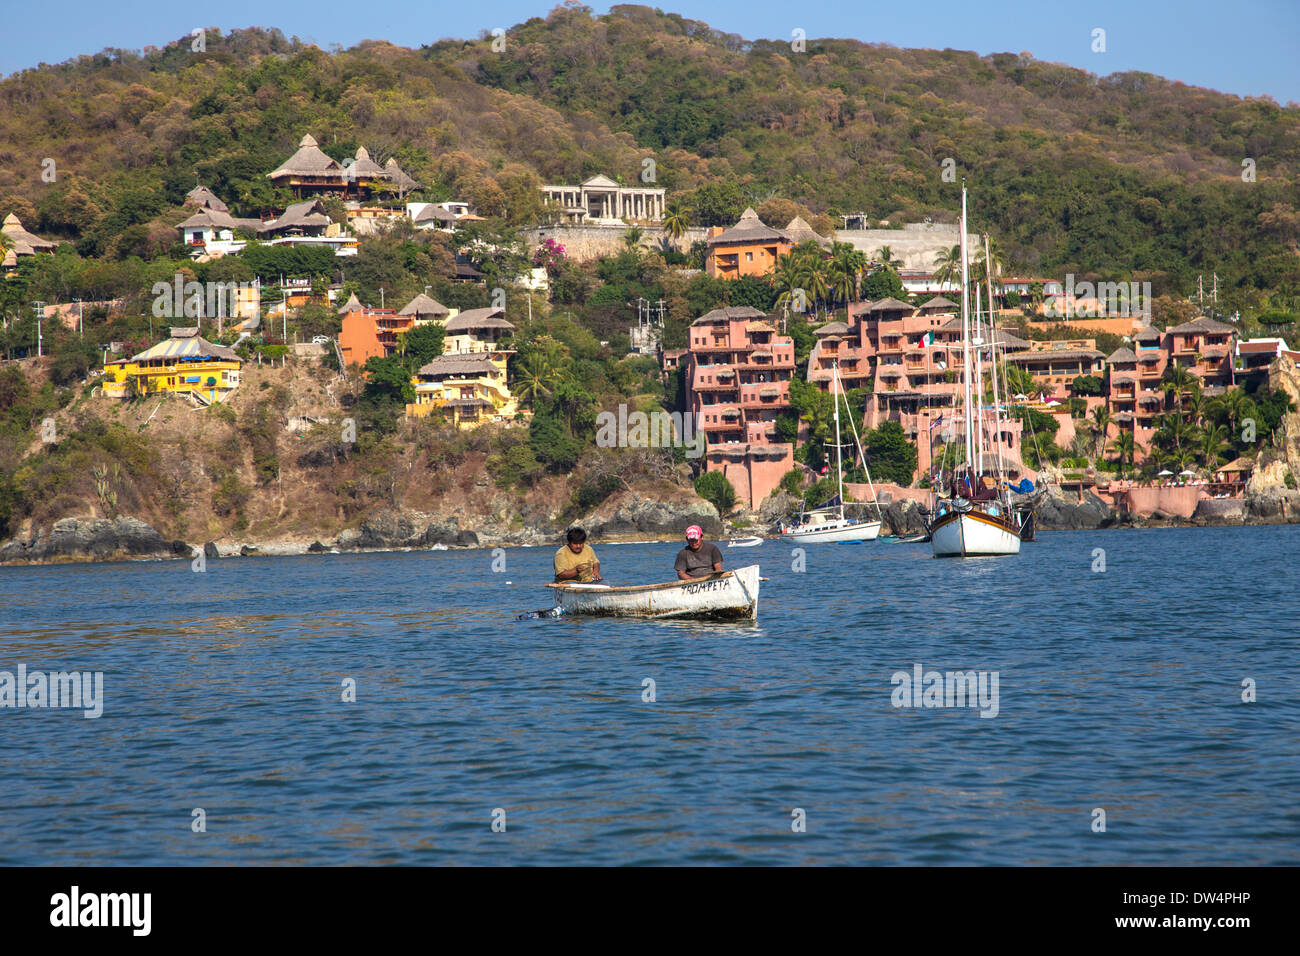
(749, 228)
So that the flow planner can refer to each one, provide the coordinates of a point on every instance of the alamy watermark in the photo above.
(178, 299)
(922, 688)
(57, 689)
(1124, 300)
(626, 429)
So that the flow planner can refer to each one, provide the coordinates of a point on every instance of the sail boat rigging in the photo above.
(976, 518)
(828, 524)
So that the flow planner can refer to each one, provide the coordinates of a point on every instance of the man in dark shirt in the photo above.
(697, 559)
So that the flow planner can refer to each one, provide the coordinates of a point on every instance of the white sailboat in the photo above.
(965, 525)
(829, 525)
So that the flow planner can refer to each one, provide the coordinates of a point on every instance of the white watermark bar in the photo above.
(81, 690)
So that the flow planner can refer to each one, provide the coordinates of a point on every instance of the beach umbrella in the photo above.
(1187, 474)
(1165, 473)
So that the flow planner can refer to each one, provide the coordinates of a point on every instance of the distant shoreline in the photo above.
(276, 548)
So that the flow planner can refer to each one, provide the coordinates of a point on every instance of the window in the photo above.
(749, 257)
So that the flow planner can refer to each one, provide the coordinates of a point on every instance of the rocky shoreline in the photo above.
(636, 518)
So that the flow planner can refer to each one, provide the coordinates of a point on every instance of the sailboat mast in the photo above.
(965, 331)
(978, 342)
(993, 354)
(839, 454)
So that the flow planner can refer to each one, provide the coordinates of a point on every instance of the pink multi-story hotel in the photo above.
(1135, 396)
(738, 372)
(914, 357)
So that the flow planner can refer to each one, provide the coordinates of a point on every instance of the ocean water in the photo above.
(1118, 689)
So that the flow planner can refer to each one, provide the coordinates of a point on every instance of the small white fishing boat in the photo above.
(726, 595)
(751, 542)
(437, 546)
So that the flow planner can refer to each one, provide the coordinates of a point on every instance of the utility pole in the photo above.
(40, 312)
(81, 319)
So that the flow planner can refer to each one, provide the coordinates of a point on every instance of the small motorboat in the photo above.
(437, 546)
(724, 595)
(751, 542)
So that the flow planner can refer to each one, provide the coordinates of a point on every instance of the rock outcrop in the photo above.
(903, 518)
(1056, 512)
(77, 539)
(628, 515)
(393, 528)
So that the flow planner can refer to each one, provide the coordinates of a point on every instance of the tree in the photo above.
(1213, 446)
(845, 271)
(884, 283)
(388, 383)
(890, 456)
(423, 344)
(714, 488)
(1100, 423)
(1086, 385)
(1123, 446)
(947, 266)
(885, 256)
(676, 220)
(1178, 380)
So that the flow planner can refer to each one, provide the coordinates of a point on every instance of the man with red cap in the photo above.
(697, 559)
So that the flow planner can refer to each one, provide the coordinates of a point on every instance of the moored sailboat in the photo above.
(828, 524)
(976, 519)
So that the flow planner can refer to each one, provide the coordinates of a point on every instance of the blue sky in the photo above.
(1246, 47)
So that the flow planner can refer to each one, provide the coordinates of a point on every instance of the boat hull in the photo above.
(973, 534)
(859, 531)
(730, 595)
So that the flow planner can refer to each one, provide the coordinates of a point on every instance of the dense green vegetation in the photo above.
(1123, 177)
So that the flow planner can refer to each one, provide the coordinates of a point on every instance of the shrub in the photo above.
(714, 488)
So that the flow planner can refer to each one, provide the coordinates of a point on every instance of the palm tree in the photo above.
(814, 274)
(787, 279)
(676, 221)
(1017, 379)
(845, 269)
(948, 266)
(1176, 432)
(1036, 295)
(978, 267)
(886, 257)
(818, 419)
(1178, 380)
(632, 238)
(1100, 422)
(1214, 446)
(1122, 446)
(536, 378)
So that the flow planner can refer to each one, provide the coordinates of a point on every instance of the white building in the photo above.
(601, 200)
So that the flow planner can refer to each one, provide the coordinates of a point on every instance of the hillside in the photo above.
(271, 465)
(1071, 172)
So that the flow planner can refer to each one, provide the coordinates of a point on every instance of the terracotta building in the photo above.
(738, 372)
(911, 358)
(749, 248)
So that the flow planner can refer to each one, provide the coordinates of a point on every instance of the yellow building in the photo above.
(468, 381)
(470, 388)
(186, 363)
